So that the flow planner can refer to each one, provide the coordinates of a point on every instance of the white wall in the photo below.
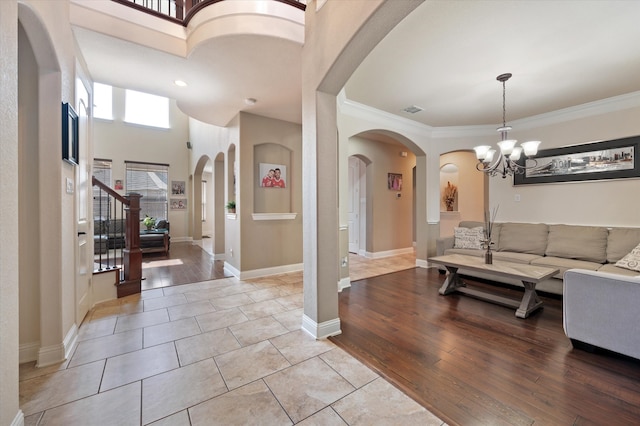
(119, 141)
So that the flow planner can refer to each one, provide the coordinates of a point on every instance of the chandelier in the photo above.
(505, 163)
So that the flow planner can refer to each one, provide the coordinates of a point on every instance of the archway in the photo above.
(199, 197)
(364, 25)
(44, 321)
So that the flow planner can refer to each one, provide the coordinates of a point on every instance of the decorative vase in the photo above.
(488, 256)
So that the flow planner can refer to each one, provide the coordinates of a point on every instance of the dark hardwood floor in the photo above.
(185, 263)
(474, 363)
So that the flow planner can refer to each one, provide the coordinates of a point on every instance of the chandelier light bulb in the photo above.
(481, 151)
(506, 147)
(530, 148)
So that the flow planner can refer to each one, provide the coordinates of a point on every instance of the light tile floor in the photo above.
(221, 352)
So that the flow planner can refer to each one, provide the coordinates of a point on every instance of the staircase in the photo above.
(117, 231)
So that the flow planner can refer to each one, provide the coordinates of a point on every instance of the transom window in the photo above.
(146, 109)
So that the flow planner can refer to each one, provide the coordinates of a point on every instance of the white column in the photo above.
(320, 216)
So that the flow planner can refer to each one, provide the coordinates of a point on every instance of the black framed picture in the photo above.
(70, 143)
(614, 159)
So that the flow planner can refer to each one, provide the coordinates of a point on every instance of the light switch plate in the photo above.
(69, 186)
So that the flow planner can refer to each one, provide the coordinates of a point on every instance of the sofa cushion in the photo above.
(511, 256)
(613, 269)
(631, 261)
(468, 238)
(620, 242)
(466, 252)
(524, 237)
(563, 264)
(578, 242)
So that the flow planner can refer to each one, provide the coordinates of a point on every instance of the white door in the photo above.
(84, 257)
(354, 204)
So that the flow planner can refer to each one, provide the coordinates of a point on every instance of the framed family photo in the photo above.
(272, 175)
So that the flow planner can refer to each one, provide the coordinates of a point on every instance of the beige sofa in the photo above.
(592, 248)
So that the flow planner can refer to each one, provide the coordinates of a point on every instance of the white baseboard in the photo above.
(388, 253)
(322, 330)
(18, 420)
(265, 272)
(28, 352)
(231, 270)
(421, 263)
(55, 354)
(344, 283)
(181, 239)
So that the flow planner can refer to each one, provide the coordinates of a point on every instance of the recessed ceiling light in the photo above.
(180, 83)
(412, 109)
(250, 101)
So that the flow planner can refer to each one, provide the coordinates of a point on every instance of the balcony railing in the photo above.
(181, 11)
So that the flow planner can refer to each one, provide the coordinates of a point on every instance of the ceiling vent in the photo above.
(412, 109)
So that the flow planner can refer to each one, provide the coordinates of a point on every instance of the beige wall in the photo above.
(29, 197)
(389, 219)
(609, 203)
(119, 141)
(9, 258)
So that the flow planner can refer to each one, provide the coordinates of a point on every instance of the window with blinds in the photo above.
(150, 181)
(102, 172)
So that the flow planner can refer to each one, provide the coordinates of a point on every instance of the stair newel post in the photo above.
(132, 253)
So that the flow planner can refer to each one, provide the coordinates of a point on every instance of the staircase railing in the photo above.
(181, 11)
(110, 234)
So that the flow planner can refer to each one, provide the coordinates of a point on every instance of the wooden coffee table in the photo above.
(530, 275)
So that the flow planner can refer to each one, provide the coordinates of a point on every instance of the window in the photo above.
(102, 172)
(150, 181)
(146, 109)
(204, 200)
(102, 101)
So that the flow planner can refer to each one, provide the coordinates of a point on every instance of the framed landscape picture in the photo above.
(614, 159)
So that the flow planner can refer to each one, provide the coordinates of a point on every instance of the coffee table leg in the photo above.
(530, 301)
(452, 282)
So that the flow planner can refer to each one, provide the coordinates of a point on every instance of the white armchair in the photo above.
(602, 310)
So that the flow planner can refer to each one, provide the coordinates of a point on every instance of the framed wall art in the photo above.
(177, 187)
(70, 143)
(614, 159)
(394, 181)
(273, 175)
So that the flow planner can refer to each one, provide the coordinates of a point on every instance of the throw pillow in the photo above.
(468, 238)
(631, 261)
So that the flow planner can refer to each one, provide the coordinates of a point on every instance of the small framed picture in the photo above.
(178, 203)
(118, 184)
(177, 187)
(394, 181)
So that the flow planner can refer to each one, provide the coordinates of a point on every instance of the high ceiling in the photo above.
(444, 58)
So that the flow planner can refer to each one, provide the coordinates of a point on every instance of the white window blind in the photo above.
(150, 181)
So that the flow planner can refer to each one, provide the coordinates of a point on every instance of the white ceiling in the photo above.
(444, 58)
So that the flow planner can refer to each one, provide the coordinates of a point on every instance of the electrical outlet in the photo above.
(516, 198)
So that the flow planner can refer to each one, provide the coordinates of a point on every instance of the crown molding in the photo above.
(617, 103)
